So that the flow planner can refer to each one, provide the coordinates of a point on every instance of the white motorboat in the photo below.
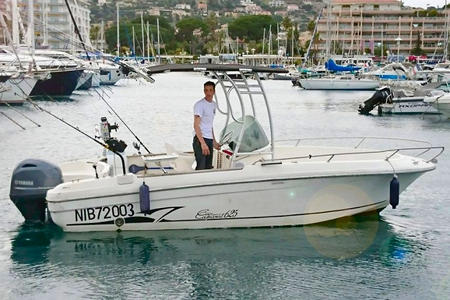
(398, 101)
(256, 182)
(344, 82)
(441, 102)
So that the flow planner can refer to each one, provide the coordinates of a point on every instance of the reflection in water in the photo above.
(203, 263)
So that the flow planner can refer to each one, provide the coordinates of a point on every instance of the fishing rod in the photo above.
(110, 107)
(112, 144)
(12, 120)
(131, 131)
(22, 114)
(76, 29)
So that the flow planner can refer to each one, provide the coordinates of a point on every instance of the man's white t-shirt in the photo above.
(206, 110)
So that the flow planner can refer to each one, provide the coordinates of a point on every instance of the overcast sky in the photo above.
(423, 3)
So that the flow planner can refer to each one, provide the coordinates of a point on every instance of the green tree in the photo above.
(186, 27)
(311, 26)
(286, 23)
(251, 27)
(417, 50)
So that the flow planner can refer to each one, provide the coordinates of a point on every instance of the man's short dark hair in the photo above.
(210, 83)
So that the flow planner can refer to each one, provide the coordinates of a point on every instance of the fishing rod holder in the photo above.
(106, 128)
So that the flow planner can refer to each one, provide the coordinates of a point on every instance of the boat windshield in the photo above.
(253, 137)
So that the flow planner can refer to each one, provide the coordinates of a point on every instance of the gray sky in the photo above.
(423, 3)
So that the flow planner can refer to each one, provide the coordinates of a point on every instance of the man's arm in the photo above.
(216, 145)
(198, 133)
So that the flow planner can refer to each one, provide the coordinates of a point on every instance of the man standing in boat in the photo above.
(204, 141)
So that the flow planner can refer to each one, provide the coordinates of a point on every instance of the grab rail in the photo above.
(359, 143)
(394, 151)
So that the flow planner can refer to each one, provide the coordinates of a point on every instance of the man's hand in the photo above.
(205, 148)
(216, 145)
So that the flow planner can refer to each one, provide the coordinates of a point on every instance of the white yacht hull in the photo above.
(110, 76)
(255, 196)
(15, 90)
(410, 105)
(96, 79)
(443, 105)
(84, 78)
(337, 84)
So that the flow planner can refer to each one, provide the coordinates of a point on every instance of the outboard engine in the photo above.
(30, 181)
(382, 95)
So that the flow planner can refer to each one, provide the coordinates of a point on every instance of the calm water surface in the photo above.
(404, 254)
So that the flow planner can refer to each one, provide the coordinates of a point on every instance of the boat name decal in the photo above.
(414, 105)
(104, 212)
(206, 214)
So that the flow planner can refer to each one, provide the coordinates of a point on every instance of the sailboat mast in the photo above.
(31, 24)
(45, 22)
(446, 33)
(102, 36)
(278, 38)
(292, 44)
(142, 30)
(118, 40)
(159, 47)
(264, 40)
(148, 41)
(134, 49)
(328, 44)
(15, 24)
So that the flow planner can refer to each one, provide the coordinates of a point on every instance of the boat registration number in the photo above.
(104, 212)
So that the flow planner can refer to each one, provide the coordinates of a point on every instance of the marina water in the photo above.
(403, 254)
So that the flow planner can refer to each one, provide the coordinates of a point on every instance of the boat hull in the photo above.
(60, 83)
(329, 84)
(16, 90)
(260, 203)
(85, 81)
(110, 76)
(411, 105)
(442, 107)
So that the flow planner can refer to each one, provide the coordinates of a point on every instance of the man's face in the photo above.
(209, 92)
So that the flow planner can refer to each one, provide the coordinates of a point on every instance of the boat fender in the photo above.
(144, 198)
(394, 192)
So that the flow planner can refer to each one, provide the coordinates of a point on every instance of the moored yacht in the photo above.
(15, 88)
(441, 102)
(256, 181)
(55, 77)
(399, 101)
(339, 82)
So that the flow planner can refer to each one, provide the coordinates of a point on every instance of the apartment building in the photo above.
(362, 26)
(53, 26)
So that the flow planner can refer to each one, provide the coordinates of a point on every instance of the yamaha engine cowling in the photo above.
(30, 181)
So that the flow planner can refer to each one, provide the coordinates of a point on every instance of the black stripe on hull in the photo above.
(60, 84)
(134, 219)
